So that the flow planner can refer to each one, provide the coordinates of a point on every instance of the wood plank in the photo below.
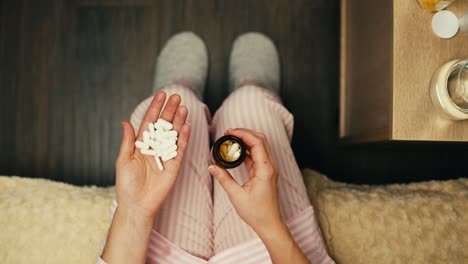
(366, 60)
(10, 67)
(37, 47)
(108, 65)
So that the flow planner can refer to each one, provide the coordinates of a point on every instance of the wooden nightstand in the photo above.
(388, 56)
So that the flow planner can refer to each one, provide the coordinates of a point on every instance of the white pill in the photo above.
(152, 144)
(171, 133)
(159, 163)
(151, 152)
(158, 127)
(146, 136)
(169, 139)
(233, 149)
(165, 124)
(235, 156)
(167, 144)
(163, 148)
(165, 140)
(169, 156)
(153, 134)
(141, 145)
(169, 150)
(158, 134)
(159, 152)
(151, 128)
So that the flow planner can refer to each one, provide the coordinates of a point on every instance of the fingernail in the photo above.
(160, 94)
(213, 170)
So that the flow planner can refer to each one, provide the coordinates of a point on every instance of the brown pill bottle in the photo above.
(219, 155)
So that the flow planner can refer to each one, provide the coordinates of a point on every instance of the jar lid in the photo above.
(445, 24)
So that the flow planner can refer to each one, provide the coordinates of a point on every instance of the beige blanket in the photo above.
(415, 223)
(43, 221)
(48, 222)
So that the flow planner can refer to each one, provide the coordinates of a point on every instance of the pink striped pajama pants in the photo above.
(197, 223)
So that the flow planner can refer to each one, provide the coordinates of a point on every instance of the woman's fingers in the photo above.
(153, 112)
(257, 144)
(171, 107)
(232, 188)
(248, 163)
(263, 137)
(182, 143)
(127, 146)
(180, 118)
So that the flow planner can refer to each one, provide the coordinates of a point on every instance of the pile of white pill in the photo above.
(230, 151)
(159, 141)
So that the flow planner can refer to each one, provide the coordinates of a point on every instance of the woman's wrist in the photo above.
(272, 229)
(281, 245)
(140, 212)
(128, 236)
(134, 215)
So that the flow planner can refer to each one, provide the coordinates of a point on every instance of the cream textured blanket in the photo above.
(43, 221)
(48, 222)
(415, 223)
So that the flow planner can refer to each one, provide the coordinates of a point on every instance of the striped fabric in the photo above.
(302, 227)
(186, 217)
(197, 223)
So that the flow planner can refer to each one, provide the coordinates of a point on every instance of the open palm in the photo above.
(139, 182)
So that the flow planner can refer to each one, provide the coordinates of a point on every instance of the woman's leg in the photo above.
(186, 218)
(258, 109)
(261, 110)
(254, 63)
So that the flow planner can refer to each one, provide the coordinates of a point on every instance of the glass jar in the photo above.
(220, 149)
(448, 89)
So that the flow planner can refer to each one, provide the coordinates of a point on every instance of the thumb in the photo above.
(128, 143)
(228, 183)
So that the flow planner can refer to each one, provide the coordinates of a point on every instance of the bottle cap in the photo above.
(445, 24)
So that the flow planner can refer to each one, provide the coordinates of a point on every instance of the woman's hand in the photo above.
(256, 201)
(141, 187)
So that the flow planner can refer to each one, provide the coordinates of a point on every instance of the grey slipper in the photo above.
(254, 60)
(183, 60)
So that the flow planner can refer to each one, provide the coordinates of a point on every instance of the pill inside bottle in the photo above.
(229, 151)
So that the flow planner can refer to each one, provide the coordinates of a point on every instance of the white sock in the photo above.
(183, 60)
(254, 60)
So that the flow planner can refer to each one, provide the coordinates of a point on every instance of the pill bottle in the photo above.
(448, 90)
(219, 152)
(434, 5)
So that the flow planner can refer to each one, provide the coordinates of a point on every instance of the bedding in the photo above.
(423, 222)
(50, 222)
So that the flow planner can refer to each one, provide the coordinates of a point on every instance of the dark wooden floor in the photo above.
(72, 70)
